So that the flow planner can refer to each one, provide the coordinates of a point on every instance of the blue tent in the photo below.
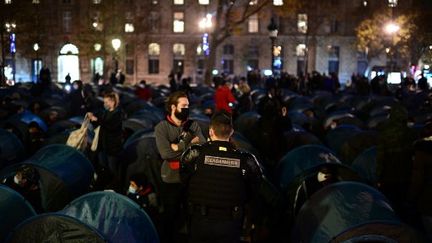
(65, 174)
(301, 159)
(345, 211)
(335, 138)
(115, 216)
(54, 227)
(11, 148)
(365, 165)
(13, 210)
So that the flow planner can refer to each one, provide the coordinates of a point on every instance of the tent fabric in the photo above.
(339, 208)
(11, 148)
(74, 169)
(54, 228)
(115, 216)
(65, 173)
(245, 122)
(335, 138)
(140, 155)
(13, 210)
(28, 117)
(301, 159)
(365, 165)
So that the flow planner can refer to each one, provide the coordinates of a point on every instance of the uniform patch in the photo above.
(221, 161)
(223, 149)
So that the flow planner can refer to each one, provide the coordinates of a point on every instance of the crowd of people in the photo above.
(211, 190)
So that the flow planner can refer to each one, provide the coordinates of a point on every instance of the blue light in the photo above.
(268, 72)
(205, 44)
(12, 38)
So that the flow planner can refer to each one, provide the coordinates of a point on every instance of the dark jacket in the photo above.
(110, 134)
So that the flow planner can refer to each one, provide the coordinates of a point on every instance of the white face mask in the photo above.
(16, 180)
(322, 177)
(132, 190)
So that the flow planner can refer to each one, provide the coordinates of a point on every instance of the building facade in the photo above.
(159, 37)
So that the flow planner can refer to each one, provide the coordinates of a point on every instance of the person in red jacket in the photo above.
(224, 99)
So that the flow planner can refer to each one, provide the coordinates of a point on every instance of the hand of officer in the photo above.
(195, 140)
(174, 146)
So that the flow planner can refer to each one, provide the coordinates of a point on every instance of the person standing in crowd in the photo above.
(224, 99)
(68, 78)
(173, 136)
(77, 99)
(244, 98)
(143, 91)
(220, 180)
(110, 133)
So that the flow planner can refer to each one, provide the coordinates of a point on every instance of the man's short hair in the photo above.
(221, 123)
(173, 100)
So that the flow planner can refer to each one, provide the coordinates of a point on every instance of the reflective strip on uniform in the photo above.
(221, 161)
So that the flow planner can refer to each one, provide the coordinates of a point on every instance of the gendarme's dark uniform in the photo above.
(220, 180)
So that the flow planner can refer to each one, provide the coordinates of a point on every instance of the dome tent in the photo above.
(349, 212)
(65, 173)
(13, 210)
(365, 165)
(115, 216)
(54, 227)
(11, 148)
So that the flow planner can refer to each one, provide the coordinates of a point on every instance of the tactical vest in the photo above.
(218, 179)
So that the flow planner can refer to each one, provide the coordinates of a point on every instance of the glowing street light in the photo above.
(391, 28)
(206, 22)
(116, 43)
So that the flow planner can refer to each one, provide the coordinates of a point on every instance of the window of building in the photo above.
(130, 66)
(178, 23)
(97, 1)
(179, 49)
(130, 49)
(365, 3)
(392, 3)
(67, 21)
(154, 49)
(333, 60)
(228, 66)
(178, 2)
(277, 2)
(153, 66)
(199, 50)
(36, 1)
(204, 2)
(253, 26)
(153, 53)
(334, 26)
(129, 28)
(302, 24)
(8, 1)
(228, 49)
(154, 21)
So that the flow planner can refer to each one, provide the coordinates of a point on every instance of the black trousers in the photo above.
(204, 229)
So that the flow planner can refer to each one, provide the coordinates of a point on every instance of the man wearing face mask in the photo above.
(173, 136)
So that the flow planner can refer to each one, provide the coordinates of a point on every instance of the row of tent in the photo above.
(353, 141)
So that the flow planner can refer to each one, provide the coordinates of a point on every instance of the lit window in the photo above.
(179, 49)
(35, 1)
(392, 3)
(97, 1)
(178, 2)
(154, 49)
(277, 2)
(178, 24)
(199, 50)
(253, 2)
(129, 28)
(253, 24)
(204, 2)
(301, 50)
(8, 1)
(154, 21)
(302, 24)
(67, 20)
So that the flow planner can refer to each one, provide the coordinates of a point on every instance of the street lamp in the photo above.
(391, 29)
(36, 48)
(116, 43)
(273, 32)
